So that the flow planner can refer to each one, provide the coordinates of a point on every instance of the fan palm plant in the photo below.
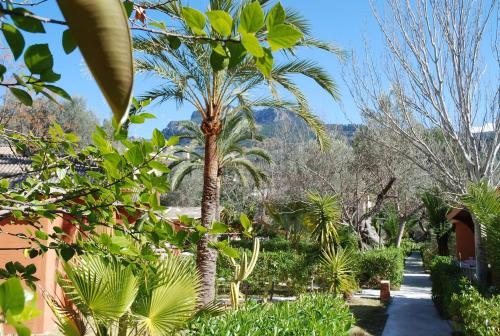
(322, 215)
(192, 73)
(234, 151)
(484, 203)
(436, 210)
(340, 266)
(110, 298)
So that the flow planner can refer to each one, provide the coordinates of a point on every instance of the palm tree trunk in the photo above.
(442, 242)
(207, 257)
(219, 183)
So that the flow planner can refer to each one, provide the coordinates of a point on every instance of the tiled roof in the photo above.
(13, 166)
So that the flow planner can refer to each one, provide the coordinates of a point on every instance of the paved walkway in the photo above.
(411, 312)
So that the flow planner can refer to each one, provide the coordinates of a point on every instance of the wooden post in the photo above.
(385, 290)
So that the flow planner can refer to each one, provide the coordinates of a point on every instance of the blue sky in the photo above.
(344, 23)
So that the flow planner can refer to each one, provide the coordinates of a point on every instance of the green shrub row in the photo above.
(279, 245)
(476, 314)
(445, 276)
(318, 314)
(380, 264)
(456, 298)
(294, 270)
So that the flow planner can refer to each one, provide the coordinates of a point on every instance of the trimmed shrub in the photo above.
(381, 264)
(318, 314)
(279, 245)
(272, 270)
(428, 252)
(478, 316)
(446, 277)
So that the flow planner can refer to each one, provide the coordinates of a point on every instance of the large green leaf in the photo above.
(194, 19)
(68, 42)
(38, 58)
(221, 21)
(252, 45)
(12, 295)
(101, 31)
(14, 39)
(283, 36)
(22, 95)
(265, 63)
(275, 16)
(27, 23)
(251, 18)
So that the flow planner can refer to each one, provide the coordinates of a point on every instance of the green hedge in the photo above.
(380, 264)
(456, 298)
(279, 245)
(478, 315)
(319, 314)
(293, 269)
(445, 276)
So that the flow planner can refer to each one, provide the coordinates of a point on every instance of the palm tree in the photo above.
(189, 77)
(437, 209)
(322, 215)
(233, 152)
(111, 298)
(484, 203)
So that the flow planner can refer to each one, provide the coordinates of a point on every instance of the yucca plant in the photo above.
(113, 299)
(340, 267)
(322, 215)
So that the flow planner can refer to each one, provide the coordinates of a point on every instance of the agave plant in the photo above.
(112, 299)
(322, 216)
(340, 267)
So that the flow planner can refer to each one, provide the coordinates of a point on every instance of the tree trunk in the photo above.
(219, 183)
(442, 243)
(481, 269)
(401, 233)
(206, 260)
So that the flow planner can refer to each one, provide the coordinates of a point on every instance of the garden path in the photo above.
(412, 312)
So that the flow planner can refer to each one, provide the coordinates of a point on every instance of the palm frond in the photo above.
(184, 169)
(101, 289)
(169, 297)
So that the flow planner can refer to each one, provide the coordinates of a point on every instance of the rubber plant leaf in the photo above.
(101, 31)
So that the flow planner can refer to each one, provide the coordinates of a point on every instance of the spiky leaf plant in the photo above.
(322, 216)
(340, 268)
(484, 202)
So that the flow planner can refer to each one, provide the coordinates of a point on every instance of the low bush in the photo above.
(477, 315)
(273, 269)
(446, 277)
(318, 314)
(380, 264)
(428, 252)
(279, 245)
(408, 246)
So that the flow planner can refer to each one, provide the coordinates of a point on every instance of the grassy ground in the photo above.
(370, 315)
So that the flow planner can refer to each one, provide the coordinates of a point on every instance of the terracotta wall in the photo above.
(46, 265)
(464, 241)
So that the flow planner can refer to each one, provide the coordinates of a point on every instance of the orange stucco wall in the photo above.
(464, 241)
(46, 269)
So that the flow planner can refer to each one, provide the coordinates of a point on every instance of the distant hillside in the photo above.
(268, 121)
